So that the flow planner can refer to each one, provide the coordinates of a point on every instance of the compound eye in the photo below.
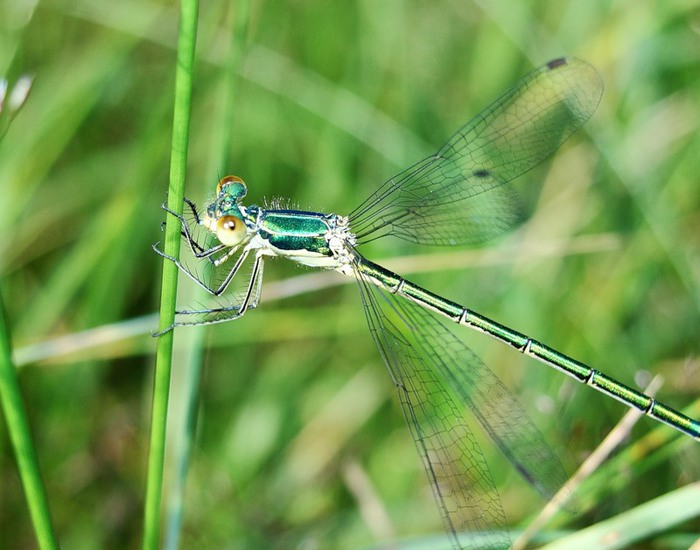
(234, 185)
(230, 230)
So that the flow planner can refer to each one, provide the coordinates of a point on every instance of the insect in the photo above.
(459, 195)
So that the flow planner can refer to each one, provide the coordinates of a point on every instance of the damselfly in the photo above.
(461, 194)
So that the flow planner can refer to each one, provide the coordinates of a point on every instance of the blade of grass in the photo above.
(187, 37)
(18, 428)
(644, 454)
(638, 524)
(183, 420)
(10, 394)
(590, 465)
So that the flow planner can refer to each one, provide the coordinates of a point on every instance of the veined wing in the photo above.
(436, 375)
(458, 195)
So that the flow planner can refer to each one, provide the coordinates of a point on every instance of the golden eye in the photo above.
(235, 186)
(230, 230)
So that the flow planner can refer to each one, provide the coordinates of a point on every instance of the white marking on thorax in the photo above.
(341, 242)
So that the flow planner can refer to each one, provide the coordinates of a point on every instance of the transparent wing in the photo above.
(458, 195)
(436, 375)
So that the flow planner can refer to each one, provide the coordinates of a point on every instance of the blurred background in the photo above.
(297, 437)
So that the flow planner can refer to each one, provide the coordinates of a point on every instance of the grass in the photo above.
(22, 445)
(184, 76)
(296, 436)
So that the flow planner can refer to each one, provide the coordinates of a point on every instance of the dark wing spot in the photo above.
(554, 63)
(481, 173)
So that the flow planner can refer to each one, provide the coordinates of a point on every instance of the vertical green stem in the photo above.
(187, 37)
(18, 429)
(192, 360)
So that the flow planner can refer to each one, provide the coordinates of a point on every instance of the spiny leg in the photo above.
(231, 274)
(198, 251)
(215, 291)
(227, 313)
(252, 297)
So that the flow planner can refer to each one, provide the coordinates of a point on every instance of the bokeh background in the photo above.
(297, 440)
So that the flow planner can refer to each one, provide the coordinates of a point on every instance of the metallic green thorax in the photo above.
(295, 230)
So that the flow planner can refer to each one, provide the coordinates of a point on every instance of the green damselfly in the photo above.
(459, 195)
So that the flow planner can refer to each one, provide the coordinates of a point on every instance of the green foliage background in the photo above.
(297, 436)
